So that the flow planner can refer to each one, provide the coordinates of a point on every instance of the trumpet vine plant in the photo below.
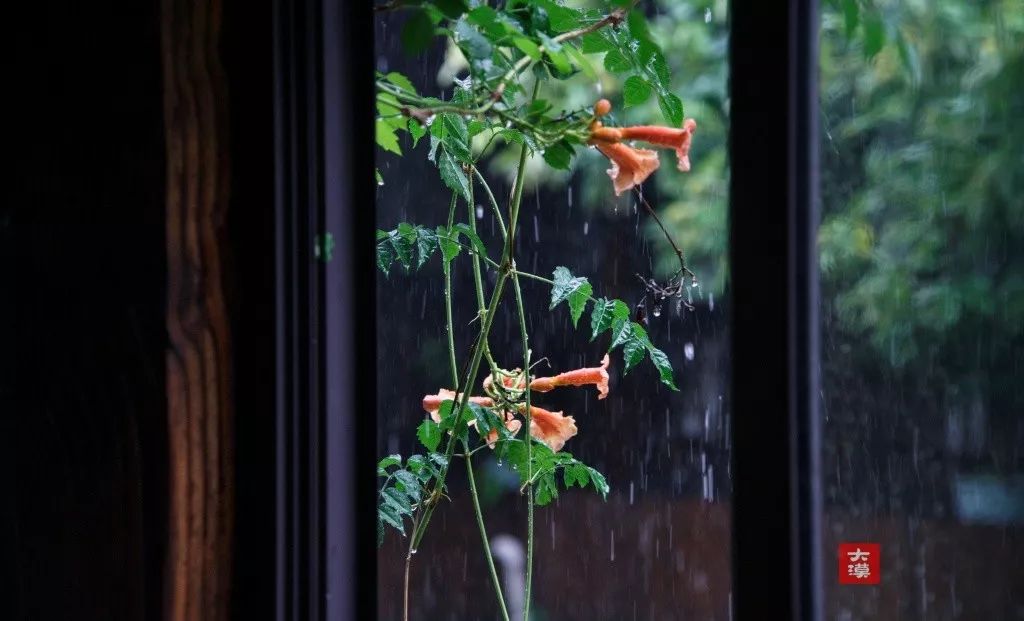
(513, 48)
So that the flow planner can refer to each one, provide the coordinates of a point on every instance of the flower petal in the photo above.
(630, 167)
(551, 428)
(432, 403)
(598, 376)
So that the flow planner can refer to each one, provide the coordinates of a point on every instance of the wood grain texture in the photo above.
(198, 356)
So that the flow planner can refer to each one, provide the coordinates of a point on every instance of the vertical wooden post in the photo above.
(199, 403)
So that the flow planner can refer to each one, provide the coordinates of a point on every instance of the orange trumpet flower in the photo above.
(598, 376)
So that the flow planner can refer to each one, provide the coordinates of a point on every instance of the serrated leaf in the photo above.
(663, 365)
(637, 25)
(546, 489)
(851, 16)
(595, 43)
(600, 484)
(671, 108)
(417, 32)
(453, 176)
(560, 18)
(474, 239)
(385, 256)
(874, 35)
(402, 241)
(401, 82)
(559, 155)
(622, 331)
(440, 460)
(654, 62)
(453, 133)
(398, 500)
(409, 484)
(528, 47)
(450, 248)
(386, 138)
(633, 350)
(601, 316)
(426, 244)
(452, 9)
(390, 460)
(580, 61)
(387, 514)
(469, 39)
(429, 434)
(417, 131)
(576, 290)
(635, 91)
(615, 62)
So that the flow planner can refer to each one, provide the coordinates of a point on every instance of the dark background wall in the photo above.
(83, 440)
(83, 415)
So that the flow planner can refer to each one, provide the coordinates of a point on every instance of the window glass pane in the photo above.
(922, 267)
(658, 547)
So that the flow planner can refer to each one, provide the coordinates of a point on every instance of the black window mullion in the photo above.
(774, 285)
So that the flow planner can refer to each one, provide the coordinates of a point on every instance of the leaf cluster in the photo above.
(609, 315)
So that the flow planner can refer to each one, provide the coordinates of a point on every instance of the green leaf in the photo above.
(380, 180)
(452, 9)
(601, 316)
(874, 35)
(417, 131)
(403, 241)
(615, 62)
(409, 484)
(386, 138)
(401, 82)
(560, 18)
(559, 155)
(390, 460)
(451, 130)
(528, 47)
(637, 24)
(600, 484)
(426, 244)
(546, 489)
(851, 14)
(580, 61)
(576, 474)
(663, 365)
(633, 349)
(385, 256)
(595, 43)
(576, 290)
(417, 32)
(469, 39)
(654, 62)
(397, 500)
(387, 514)
(474, 239)
(453, 176)
(635, 91)
(671, 108)
(450, 248)
(429, 434)
(622, 331)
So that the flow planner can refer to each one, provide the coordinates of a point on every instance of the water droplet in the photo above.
(707, 15)
(656, 311)
(586, 227)
(479, 212)
(688, 351)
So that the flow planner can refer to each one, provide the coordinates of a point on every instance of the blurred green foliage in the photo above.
(922, 180)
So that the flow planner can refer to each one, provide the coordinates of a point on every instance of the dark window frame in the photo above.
(325, 556)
